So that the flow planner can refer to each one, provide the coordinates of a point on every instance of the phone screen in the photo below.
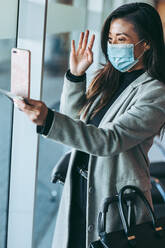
(20, 72)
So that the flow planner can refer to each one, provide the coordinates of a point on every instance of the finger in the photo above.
(91, 42)
(37, 115)
(23, 106)
(18, 102)
(34, 115)
(80, 41)
(90, 55)
(17, 106)
(85, 40)
(73, 49)
(32, 102)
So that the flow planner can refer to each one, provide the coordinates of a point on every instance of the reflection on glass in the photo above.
(160, 5)
(57, 54)
(70, 2)
(48, 194)
(5, 135)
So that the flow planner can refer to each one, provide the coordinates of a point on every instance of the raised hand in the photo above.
(81, 59)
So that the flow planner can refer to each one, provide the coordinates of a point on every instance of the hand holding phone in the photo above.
(36, 110)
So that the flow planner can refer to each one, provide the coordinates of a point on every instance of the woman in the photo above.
(112, 126)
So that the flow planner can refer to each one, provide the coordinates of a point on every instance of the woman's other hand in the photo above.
(81, 59)
(36, 110)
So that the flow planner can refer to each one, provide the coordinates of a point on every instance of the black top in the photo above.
(126, 79)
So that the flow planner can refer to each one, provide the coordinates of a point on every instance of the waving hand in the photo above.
(81, 59)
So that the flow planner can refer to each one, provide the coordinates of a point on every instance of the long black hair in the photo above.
(148, 26)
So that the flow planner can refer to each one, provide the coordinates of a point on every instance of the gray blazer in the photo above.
(118, 148)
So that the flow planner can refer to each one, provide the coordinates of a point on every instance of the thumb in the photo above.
(32, 102)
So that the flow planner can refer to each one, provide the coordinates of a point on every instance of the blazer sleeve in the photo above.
(72, 98)
(143, 120)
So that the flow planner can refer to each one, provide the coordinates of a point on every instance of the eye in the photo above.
(121, 39)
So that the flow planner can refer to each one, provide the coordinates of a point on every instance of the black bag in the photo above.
(145, 235)
(60, 170)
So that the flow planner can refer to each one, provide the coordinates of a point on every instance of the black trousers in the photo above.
(77, 236)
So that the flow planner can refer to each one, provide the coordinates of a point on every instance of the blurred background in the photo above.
(64, 20)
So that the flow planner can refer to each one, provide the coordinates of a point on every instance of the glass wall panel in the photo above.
(60, 30)
(160, 5)
(48, 195)
(8, 27)
(69, 2)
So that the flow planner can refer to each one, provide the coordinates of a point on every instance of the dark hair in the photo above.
(148, 26)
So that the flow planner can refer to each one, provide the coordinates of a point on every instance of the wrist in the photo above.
(44, 129)
(45, 116)
(74, 78)
(77, 74)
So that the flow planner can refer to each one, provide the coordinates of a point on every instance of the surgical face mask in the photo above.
(122, 57)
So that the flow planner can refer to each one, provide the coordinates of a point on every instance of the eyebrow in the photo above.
(121, 34)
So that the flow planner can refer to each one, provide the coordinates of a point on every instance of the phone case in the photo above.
(20, 72)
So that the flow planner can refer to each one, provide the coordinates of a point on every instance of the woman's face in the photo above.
(123, 32)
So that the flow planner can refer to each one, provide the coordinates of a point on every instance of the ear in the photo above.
(147, 46)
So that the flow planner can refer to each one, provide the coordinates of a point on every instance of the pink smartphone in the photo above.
(20, 72)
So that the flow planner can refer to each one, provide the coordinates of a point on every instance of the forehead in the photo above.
(121, 26)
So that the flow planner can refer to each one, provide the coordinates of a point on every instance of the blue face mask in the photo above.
(122, 57)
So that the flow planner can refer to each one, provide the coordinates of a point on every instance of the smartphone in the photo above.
(20, 72)
(10, 95)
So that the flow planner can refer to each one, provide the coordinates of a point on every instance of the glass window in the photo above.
(7, 41)
(70, 2)
(161, 9)
(56, 63)
(48, 194)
